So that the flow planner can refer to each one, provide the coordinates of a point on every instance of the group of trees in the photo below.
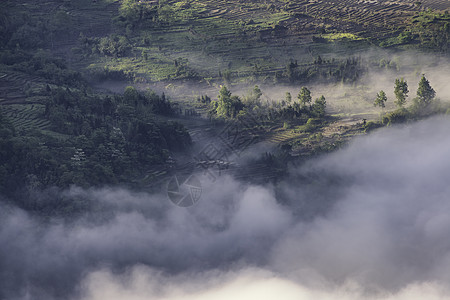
(227, 105)
(134, 14)
(425, 94)
(231, 106)
(421, 103)
(346, 70)
(112, 45)
(103, 139)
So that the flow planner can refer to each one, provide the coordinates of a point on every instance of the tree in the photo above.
(288, 98)
(380, 100)
(425, 93)
(224, 93)
(305, 96)
(401, 91)
(319, 106)
(131, 95)
(253, 97)
(227, 105)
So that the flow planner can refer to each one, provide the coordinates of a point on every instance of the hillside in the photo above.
(64, 66)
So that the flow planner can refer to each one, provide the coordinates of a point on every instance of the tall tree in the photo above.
(425, 93)
(380, 100)
(228, 105)
(224, 93)
(401, 91)
(319, 106)
(305, 96)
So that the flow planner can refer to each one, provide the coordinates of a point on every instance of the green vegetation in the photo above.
(304, 114)
(57, 129)
(423, 105)
(226, 106)
(425, 93)
(304, 96)
(380, 100)
(101, 140)
(432, 29)
(220, 41)
(60, 133)
(341, 36)
(401, 92)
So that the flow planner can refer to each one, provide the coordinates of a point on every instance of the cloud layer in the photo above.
(369, 221)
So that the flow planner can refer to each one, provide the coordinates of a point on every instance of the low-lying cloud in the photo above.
(370, 221)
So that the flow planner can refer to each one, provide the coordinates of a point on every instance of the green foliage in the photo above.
(102, 140)
(318, 108)
(111, 74)
(380, 100)
(228, 106)
(371, 125)
(253, 97)
(112, 45)
(404, 37)
(400, 115)
(425, 93)
(312, 124)
(131, 94)
(304, 96)
(400, 91)
(341, 36)
(432, 29)
(136, 13)
(347, 70)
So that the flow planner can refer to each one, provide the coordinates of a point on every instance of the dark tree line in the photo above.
(347, 70)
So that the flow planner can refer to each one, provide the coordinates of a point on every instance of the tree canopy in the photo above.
(425, 93)
(304, 96)
(227, 106)
(381, 99)
(400, 91)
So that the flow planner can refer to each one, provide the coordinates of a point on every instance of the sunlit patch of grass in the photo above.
(341, 36)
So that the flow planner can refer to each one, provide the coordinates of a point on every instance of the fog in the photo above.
(369, 221)
(354, 100)
(358, 97)
(342, 98)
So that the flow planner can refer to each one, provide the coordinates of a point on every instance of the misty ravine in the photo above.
(371, 222)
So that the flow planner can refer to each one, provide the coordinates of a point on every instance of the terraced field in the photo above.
(246, 40)
(250, 40)
(26, 116)
(17, 87)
